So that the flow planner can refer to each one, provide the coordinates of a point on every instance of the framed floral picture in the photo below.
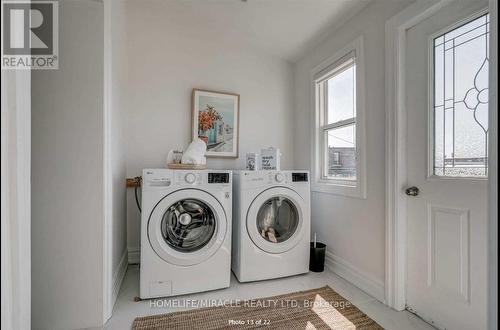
(216, 121)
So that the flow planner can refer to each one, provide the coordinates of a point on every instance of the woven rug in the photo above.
(320, 308)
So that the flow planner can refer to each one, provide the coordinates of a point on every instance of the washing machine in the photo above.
(271, 224)
(185, 231)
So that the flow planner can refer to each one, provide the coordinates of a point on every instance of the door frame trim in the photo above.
(493, 172)
(395, 146)
(16, 199)
(107, 173)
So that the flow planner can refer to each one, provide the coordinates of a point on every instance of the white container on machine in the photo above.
(270, 159)
(252, 161)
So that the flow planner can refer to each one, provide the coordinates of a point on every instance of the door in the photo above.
(275, 220)
(187, 227)
(447, 125)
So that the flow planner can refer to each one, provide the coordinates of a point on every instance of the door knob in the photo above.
(412, 191)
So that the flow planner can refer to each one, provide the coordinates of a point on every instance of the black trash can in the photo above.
(317, 257)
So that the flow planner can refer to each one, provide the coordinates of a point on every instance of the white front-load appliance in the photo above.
(185, 231)
(271, 224)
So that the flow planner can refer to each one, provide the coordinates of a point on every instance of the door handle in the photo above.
(412, 191)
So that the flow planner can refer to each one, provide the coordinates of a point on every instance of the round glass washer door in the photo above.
(275, 220)
(187, 227)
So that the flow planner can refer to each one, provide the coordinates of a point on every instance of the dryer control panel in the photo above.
(300, 177)
(261, 178)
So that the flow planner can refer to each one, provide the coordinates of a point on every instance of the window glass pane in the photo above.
(341, 95)
(341, 153)
(461, 91)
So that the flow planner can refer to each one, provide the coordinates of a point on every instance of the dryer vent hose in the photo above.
(136, 192)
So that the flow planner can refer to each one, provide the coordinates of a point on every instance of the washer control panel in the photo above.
(162, 182)
(190, 178)
(218, 177)
(171, 178)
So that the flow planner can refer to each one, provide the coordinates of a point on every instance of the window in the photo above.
(338, 162)
(336, 158)
(460, 101)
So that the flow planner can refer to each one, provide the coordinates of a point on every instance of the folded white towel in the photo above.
(195, 153)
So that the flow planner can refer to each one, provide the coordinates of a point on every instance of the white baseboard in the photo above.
(119, 275)
(350, 273)
(335, 264)
(134, 255)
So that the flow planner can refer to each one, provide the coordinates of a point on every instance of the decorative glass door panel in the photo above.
(460, 103)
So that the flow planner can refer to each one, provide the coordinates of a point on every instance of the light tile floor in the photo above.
(126, 309)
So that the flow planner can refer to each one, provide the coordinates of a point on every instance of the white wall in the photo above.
(15, 186)
(167, 57)
(67, 175)
(353, 229)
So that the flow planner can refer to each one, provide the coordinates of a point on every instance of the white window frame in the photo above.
(319, 183)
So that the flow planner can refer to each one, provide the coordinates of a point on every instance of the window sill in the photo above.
(336, 188)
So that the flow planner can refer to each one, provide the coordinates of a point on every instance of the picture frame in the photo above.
(215, 120)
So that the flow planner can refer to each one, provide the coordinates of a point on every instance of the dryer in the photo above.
(271, 224)
(185, 231)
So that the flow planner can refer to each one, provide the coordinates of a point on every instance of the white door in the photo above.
(447, 123)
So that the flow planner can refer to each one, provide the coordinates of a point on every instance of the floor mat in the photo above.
(321, 308)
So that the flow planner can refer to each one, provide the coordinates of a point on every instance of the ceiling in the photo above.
(284, 28)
